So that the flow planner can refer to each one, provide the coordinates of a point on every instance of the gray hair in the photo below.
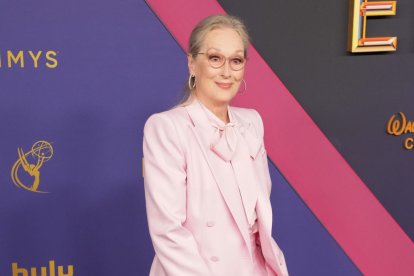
(216, 22)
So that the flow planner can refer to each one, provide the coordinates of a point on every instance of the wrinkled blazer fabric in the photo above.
(197, 223)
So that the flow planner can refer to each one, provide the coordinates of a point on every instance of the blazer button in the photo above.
(210, 223)
(214, 258)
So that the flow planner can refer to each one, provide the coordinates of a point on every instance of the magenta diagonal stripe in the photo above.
(320, 175)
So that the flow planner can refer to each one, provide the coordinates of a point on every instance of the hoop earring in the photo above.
(192, 85)
(245, 88)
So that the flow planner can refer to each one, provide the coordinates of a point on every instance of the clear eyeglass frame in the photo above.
(217, 60)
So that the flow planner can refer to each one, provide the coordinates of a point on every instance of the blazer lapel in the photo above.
(202, 131)
(242, 162)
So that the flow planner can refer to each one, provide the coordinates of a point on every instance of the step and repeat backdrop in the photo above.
(332, 80)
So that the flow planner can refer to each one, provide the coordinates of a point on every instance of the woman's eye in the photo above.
(215, 58)
(237, 60)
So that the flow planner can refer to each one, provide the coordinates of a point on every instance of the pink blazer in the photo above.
(195, 220)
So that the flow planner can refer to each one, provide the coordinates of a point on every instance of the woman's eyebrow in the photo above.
(218, 50)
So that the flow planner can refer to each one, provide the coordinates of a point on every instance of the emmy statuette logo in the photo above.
(30, 163)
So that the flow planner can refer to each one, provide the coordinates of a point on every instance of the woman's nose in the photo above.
(226, 70)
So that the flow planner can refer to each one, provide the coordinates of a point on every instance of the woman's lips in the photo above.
(224, 85)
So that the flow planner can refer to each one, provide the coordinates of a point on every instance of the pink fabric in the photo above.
(196, 217)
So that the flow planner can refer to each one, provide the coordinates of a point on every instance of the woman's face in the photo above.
(217, 86)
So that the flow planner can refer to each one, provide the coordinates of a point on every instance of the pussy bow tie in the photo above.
(232, 136)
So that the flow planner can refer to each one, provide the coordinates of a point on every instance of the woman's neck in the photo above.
(220, 110)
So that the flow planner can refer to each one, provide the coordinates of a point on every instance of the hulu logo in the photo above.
(42, 271)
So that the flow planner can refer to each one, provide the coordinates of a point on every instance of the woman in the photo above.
(207, 182)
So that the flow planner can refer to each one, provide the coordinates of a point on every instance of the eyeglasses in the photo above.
(217, 60)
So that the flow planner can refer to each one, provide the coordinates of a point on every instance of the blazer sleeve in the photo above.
(165, 195)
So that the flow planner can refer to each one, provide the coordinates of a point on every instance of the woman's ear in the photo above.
(191, 64)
